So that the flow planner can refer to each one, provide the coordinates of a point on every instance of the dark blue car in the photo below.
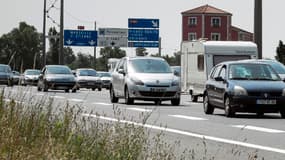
(240, 86)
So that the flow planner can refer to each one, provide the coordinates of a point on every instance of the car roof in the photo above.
(243, 62)
(144, 57)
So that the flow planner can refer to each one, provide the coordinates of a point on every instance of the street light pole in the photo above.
(60, 58)
(258, 26)
(94, 60)
(44, 35)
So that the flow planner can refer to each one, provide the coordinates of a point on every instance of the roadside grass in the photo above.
(41, 130)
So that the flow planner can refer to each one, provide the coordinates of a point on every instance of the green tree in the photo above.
(280, 50)
(106, 53)
(82, 61)
(20, 46)
(53, 52)
(140, 51)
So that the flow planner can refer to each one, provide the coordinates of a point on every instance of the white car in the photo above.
(144, 78)
(105, 78)
(88, 78)
(30, 77)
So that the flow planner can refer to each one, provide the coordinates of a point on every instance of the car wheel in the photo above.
(229, 112)
(74, 90)
(208, 108)
(194, 98)
(10, 83)
(66, 90)
(113, 98)
(128, 100)
(99, 89)
(93, 89)
(39, 88)
(282, 113)
(45, 88)
(175, 102)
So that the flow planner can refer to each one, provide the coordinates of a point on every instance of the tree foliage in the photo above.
(20, 47)
(140, 51)
(280, 50)
(106, 53)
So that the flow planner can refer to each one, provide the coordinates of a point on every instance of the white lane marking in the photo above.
(76, 100)
(40, 94)
(140, 109)
(261, 129)
(104, 104)
(188, 117)
(221, 140)
(58, 97)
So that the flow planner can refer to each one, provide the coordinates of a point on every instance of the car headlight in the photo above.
(137, 81)
(239, 91)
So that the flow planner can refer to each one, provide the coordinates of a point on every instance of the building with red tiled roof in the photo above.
(211, 23)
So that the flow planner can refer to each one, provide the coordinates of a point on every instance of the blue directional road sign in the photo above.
(144, 44)
(143, 23)
(143, 35)
(80, 38)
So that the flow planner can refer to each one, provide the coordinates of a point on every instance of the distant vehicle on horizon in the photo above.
(30, 77)
(6, 75)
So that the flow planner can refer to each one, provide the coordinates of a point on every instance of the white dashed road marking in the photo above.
(261, 129)
(204, 137)
(188, 117)
(104, 104)
(58, 97)
(140, 109)
(76, 100)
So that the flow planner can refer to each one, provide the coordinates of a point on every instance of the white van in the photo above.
(199, 57)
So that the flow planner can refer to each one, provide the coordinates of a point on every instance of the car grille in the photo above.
(157, 94)
(262, 94)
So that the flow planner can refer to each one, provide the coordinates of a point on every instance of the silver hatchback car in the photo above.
(144, 78)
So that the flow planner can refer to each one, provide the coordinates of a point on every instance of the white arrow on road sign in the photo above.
(69, 42)
(154, 23)
(92, 43)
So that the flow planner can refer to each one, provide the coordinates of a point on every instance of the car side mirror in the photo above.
(121, 71)
(176, 73)
(219, 79)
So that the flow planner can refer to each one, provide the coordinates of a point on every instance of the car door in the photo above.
(220, 86)
(118, 77)
(211, 85)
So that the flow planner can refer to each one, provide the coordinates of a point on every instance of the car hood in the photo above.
(32, 76)
(105, 78)
(154, 77)
(261, 85)
(88, 78)
(60, 76)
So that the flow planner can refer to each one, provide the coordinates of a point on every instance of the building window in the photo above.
(192, 21)
(241, 36)
(200, 60)
(215, 36)
(216, 21)
(192, 36)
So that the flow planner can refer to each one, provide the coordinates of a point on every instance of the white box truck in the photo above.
(198, 58)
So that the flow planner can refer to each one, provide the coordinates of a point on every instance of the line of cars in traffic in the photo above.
(57, 77)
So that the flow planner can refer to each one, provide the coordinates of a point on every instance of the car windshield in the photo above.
(33, 72)
(104, 74)
(149, 66)
(5, 69)
(252, 72)
(58, 70)
(278, 67)
(88, 72)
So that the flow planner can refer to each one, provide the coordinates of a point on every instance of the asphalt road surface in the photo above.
(214, 135)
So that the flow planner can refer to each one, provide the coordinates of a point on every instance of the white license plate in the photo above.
(157, 89)
(266, 101)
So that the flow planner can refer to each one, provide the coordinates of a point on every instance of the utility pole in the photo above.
(44, 35)
(60, 58)
(159, 47)
(94, 58)
(258, 26)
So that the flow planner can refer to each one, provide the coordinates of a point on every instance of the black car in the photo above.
(240, 86)
(6, 75)
(58, 77)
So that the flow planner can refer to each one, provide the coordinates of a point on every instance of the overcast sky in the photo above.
(115, 14)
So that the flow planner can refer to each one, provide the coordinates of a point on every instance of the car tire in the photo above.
(282, 113)
(208, 108)
(93, 89)
(229, 112)
(194, 98)
(157, 102)
(113, 98)
(39, 88)
(74, 90)
(45, 88)
(66, 90)
(128, 100)
(99, 89)
(175, 102)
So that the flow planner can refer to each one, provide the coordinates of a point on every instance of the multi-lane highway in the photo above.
(210, 135)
